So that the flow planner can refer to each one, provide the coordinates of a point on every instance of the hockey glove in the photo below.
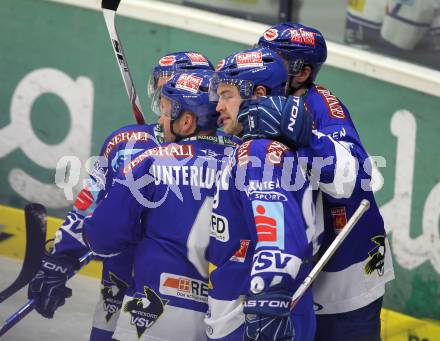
(261, 117)
(48, 286)
(268, 317)
(278, 118)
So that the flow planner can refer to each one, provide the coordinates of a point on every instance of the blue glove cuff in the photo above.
(296, 123)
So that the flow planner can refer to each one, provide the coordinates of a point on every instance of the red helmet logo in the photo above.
(270, 34)
(167, 60)
(197, 58)
(189, 82)
(249, 59)
(302, 37)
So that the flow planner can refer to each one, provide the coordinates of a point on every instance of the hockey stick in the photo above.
(363, 207)
(30, 304)
(35, 217)
(109, 8)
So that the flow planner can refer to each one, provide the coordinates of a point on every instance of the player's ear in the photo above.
(188, 123)
(259, 91)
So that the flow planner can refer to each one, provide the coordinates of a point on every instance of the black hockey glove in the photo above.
(277, 118)
(48, 286)
(268, 316)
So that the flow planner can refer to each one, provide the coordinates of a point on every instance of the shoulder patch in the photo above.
(275, 151)
(243, 153)
(333, 104)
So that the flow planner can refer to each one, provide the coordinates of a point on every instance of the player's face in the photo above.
(165, 119)
(228, 106)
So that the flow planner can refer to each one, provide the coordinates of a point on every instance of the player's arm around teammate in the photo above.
(344, 311)
(260, 235)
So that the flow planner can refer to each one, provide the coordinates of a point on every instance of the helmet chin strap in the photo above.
(292, 86)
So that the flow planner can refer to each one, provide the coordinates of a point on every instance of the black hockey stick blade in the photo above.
(35, 215)
(110, 4)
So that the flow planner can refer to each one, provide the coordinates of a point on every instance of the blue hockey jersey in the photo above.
(161, 204)
(356, 274)
(114, 151)
(120, 145)
(260, 235)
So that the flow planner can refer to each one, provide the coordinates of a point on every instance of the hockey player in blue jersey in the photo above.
(348, 293)
(161, 203)
(49, 286)
(264, 231)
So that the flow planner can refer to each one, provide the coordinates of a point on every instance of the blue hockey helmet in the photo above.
(301, 45)
(249, 68)
(189, 91)
(171, 63)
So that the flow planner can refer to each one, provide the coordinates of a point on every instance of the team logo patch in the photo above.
(210, 154)
(302, 37)
(275, 151)
(333, 105)
(189, 82)
(240, 254)
(197, 58)
(249, 59)
(167, 60)
(269, 221)
(84, 200)
(145, 310)
(339, 216)
(220, 64)
(270, 34)
(377, 256)
(183, 287)
(113, 292)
